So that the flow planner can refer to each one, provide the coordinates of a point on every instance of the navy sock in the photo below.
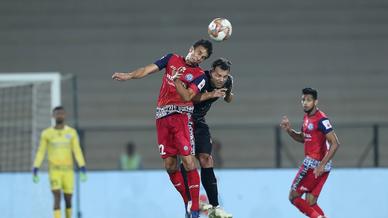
(209, 182)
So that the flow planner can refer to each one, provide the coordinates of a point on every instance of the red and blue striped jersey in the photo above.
(193, 77)
(315, 128)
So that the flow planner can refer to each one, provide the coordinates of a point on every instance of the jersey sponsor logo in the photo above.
(201, 84)
(189, 77)
(310, 126)
(169, 77)
(326, 124)
(307, 137)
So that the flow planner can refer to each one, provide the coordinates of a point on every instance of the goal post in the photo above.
(53, 78)
(26, 101)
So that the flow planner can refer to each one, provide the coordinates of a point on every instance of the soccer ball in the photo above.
(219, 29)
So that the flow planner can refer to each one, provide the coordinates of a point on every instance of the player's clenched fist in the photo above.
(219, 93)
(285, 123)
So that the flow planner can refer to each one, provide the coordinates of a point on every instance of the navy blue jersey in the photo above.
(201, 108)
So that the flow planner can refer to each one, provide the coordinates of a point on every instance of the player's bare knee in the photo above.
(170, 168)
(206, 160)
(170, 164)
(292, 196)
(291, 199)
(311, 199)
(188, 163)
(311, 203)
(189, 166)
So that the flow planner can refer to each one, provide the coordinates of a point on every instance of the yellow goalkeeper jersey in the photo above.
(60, 144)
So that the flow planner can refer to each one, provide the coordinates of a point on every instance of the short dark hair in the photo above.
(310, 91)
(206, 44)
(130, 147)
(222, 63)
(57, 108)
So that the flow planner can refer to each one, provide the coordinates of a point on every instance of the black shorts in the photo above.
(203, 142)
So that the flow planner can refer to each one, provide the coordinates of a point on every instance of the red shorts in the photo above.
(175, 135)
(305, 181)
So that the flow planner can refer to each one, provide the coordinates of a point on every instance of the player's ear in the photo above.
(316, 102)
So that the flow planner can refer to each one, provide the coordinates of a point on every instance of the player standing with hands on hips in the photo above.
(320, 145)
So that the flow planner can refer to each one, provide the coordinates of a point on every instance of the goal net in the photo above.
(26, 101)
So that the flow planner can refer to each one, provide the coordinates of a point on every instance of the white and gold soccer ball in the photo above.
(220, 29)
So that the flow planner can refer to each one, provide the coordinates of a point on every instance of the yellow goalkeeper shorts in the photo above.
(62, 179)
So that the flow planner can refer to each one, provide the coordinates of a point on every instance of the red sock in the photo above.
(305, 208)
(193, 182)
(318, 209)
(177, 180)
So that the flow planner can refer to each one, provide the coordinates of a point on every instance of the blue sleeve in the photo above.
(162, 62)
(199, 83)
(324, 126)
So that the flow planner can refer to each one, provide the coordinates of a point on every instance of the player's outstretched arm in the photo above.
(286, 125)
(136, 74)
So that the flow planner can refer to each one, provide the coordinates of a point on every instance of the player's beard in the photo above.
(219, 85)
(59, 121)
(308, 111)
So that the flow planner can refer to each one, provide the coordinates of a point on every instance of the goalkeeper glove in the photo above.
(82, 174)
(35, 177)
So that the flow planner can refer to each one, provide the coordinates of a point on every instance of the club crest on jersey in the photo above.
(189, 77)
(185, 148)
(68, 136)
(310, 126)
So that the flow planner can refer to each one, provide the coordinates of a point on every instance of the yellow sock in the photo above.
(68, 212)
(57, 213)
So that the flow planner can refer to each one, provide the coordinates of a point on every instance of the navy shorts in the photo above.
(202, 137)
